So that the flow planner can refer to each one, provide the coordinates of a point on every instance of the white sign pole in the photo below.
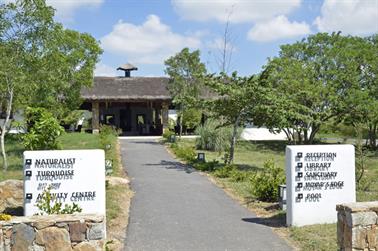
(318, 177)
(75, 176)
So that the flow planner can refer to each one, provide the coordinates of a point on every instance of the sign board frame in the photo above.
(318, 177)
(75, 176)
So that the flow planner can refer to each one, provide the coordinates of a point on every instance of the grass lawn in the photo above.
(250, 157)
(68, 141)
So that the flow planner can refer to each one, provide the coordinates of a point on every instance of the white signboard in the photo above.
(317, 178)
(75, 176)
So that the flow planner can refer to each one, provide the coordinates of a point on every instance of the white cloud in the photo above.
(356, 17)
(242, 10)
(149, 43)
(105, 70)
(65, 8)
(277, 28)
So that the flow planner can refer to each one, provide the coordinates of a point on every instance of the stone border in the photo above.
(54, 232)
(357, 226)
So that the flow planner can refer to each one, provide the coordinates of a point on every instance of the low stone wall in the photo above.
(357, 226)
(53, 233)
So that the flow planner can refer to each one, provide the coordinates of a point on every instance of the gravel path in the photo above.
(177, 209)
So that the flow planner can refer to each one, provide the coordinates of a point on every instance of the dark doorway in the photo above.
(125, 120)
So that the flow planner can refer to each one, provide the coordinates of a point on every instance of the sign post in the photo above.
(318, 177)
(74, 176)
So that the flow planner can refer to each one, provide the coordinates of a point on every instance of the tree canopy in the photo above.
(41, 63)
(237, 99)
(311, 82)
(186, 72)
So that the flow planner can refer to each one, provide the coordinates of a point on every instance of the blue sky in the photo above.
(146, 32)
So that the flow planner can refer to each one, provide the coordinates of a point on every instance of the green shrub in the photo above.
(168, 136)
(206, 166)
(43, 130)
(46, 205)
(225, 171)
(192, 118)
(213, 137)
(265, 184)
(107, 135)
(186, 153)
(238, 175)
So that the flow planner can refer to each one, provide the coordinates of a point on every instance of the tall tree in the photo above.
(309, 82)
(186, 72)
(238, 97)
(362, 98)
(41, 63)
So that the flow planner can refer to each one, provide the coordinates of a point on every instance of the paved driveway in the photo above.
(176, 209)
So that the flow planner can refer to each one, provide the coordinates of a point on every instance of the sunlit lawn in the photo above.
(15, 149)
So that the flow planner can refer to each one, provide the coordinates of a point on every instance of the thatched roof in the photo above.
(133, 88)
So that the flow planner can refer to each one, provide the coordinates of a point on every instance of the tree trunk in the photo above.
(233, 140)
(373, 136)
(180, 123)
(4, 128)
(314, 131)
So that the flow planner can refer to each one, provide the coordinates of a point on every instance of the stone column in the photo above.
(357, 225)
(95, 117)
(165, 106)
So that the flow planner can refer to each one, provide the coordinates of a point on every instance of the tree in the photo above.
(362, 99)
(41, 63)
(309, 83)
(238, 97)
(186, 72)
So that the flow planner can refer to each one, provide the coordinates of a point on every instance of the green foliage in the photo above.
(5, 217)
(213, 137)
(43, 130)
(186, 72)
(46, 205)
(107, 135)
(186, 153)
(206, 166)
(72, 117)
(265, 184)
(322, 78)
(42, 63)
(192, 118)
(225, 171)
(238, 97)
(168, 136)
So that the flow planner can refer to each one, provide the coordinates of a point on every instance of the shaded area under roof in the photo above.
(135, 88)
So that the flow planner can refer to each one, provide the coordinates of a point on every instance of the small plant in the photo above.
(43, 130)
(238, 175)
(5, 217)
(168, 136)
(224, 172)
(265, 184)
(184, 152)
(47, 206)
(214, 136)
(206, 166)
(107, 133)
